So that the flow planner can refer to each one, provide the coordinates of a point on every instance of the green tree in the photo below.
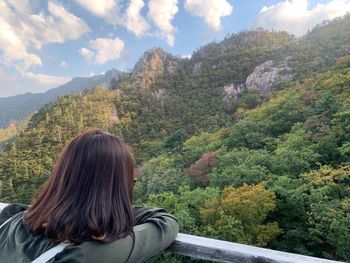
(161, 174)
(185, 205)
(240, 215)
(242, 166)
(295, 153)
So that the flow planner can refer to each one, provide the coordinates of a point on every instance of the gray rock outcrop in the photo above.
(261, 79)
(267, 74)
(233, 90)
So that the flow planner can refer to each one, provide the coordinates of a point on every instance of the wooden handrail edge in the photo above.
(224, 251)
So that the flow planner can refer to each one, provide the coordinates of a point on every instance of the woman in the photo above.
(85, 207)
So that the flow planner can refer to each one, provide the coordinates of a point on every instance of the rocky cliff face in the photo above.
(233, 90)
(268, 73)
(153, 64)
(261, 79)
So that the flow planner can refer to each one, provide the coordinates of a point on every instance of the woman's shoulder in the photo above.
(11, 210)
(16, 242)
(154, 231)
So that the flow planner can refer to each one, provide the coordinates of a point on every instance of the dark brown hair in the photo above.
(88, 195)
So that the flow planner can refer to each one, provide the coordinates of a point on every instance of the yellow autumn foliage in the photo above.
(247, 207)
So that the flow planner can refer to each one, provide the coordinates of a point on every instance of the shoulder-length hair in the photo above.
(89, 193)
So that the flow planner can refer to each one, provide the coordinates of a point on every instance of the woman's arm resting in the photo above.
(155, 231)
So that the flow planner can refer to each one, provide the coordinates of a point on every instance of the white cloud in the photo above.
(162, 12)
(87, 53)
(23, 33)
(61, 26)
(134, 21)
(109, 10)
(13, 47)
(11, 85)
(211, 11)
(107, 49)
(47, 79)
(295, 17)
(102, 50)
(102, 8)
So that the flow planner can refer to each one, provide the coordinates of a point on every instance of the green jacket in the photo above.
(154, 231)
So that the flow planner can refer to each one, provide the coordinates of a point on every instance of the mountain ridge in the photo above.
(17, 107)
(217, 64)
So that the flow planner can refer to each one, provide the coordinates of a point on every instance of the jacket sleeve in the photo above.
(11, 210)
(154, 231)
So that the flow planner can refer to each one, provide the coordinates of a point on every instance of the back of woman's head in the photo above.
(88, 195)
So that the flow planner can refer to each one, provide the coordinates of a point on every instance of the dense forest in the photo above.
(270, 169)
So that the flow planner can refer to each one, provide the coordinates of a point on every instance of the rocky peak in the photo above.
(154, 63)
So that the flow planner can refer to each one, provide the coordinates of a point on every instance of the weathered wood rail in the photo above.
(223, 251)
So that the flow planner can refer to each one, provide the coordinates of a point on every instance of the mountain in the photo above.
(288, 157)
(247, 141)
(210, 89)
(15, 108)
(217, 68)
(153, 64)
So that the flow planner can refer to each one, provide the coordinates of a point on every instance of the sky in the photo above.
(44, 44)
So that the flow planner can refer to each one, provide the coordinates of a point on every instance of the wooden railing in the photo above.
(223, 251)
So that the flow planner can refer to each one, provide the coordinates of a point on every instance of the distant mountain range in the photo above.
(15, 108)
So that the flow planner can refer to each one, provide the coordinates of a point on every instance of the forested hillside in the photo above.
(279, 177)
(187, 96)
(268, 167)
(17, 108)
(8, 134)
